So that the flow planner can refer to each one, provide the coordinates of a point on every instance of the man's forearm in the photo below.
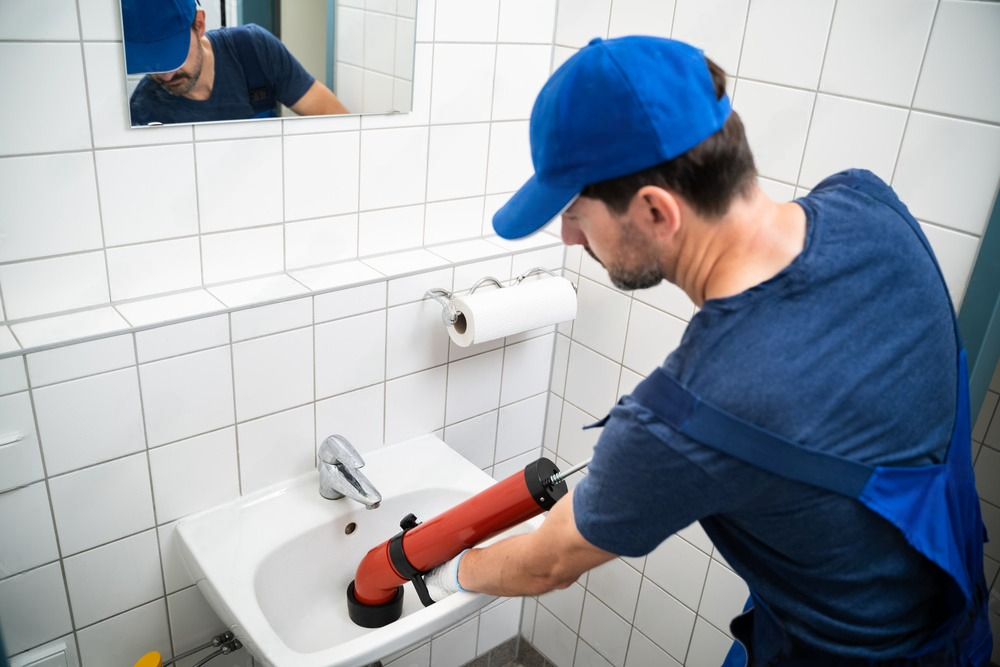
(552, 557)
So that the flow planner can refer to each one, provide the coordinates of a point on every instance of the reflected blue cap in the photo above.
(616, 107)
(157, 34)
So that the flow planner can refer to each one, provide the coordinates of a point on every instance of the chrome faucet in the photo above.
(339, 475)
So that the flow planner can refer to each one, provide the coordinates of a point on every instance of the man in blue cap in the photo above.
(814, 418)
(196, 75)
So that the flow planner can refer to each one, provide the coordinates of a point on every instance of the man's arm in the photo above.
(318, 100)
(552, 557)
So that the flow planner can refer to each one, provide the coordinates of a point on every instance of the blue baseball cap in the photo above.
(157, 34)
(616, 107)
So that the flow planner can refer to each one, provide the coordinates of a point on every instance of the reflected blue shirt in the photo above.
(851, 350)
(230, 99)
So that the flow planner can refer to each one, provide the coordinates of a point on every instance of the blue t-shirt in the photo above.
(851, 350)
(230, 98)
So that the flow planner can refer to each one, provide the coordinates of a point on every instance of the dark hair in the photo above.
(708, 177)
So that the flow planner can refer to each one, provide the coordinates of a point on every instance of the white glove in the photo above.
(442, 581)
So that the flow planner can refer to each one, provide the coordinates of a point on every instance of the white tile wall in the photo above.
(371, 80)
(57, 118)
(456, 164)
(875, 49)
(25, 512)
(51, 226)
(114, 578)
(94, 215)
(776, 28)
(963, 33)
(130, 179)
(35, 608)
(90, 420)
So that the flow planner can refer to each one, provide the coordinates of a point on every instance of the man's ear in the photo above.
(199, 22)
(656, 208)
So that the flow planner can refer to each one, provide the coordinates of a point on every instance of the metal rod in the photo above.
(560, 476)
(187, 653)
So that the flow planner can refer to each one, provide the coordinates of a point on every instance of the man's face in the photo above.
(182, 80)
(615, 242)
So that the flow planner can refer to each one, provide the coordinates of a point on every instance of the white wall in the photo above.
(174, 333)
(901, 87)
(148, 244)
(375, 80)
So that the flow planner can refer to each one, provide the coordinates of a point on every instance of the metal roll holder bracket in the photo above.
(449, 314)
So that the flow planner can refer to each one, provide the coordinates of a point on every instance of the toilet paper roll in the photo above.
(495, 313)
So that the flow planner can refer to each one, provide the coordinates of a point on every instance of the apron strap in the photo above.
(685, 412)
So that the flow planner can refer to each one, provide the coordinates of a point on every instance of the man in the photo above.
(814, 418)
(225, 74)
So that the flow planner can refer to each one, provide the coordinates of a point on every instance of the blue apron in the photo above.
(935, 507)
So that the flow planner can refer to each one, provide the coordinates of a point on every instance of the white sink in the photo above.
(275, 565)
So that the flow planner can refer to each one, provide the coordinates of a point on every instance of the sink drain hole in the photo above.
(350, 528)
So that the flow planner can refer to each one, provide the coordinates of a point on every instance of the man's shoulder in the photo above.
(861, 181)
(251, 31)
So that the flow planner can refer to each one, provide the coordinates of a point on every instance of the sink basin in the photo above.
(275, 565)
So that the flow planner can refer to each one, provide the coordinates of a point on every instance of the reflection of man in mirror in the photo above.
(194, 75)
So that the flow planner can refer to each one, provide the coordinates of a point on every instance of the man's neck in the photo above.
(751, 243)
(203, 89)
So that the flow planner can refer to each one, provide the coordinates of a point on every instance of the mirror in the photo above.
(361, 51)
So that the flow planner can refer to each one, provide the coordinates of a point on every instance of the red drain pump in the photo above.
(375, 597)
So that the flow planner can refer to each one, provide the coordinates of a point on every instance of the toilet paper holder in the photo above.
(449, 315)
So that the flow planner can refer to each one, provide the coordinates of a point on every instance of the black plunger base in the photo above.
(374, 615)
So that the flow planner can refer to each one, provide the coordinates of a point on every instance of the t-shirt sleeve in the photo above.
(290, 79)
(645, 483)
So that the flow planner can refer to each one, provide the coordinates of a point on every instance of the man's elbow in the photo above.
(555, 577)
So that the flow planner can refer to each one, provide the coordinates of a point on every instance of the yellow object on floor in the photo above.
(151, 659)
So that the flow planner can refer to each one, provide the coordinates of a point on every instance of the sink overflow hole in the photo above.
(350, 528)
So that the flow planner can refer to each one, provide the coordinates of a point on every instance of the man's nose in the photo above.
(571, 234)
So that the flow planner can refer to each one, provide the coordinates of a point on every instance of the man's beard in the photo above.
(646, 274)
(182, 83)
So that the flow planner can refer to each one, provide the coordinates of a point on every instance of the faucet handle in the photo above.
(337, 450)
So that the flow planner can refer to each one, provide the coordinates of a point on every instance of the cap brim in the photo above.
(163, 55)
(531, 208)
